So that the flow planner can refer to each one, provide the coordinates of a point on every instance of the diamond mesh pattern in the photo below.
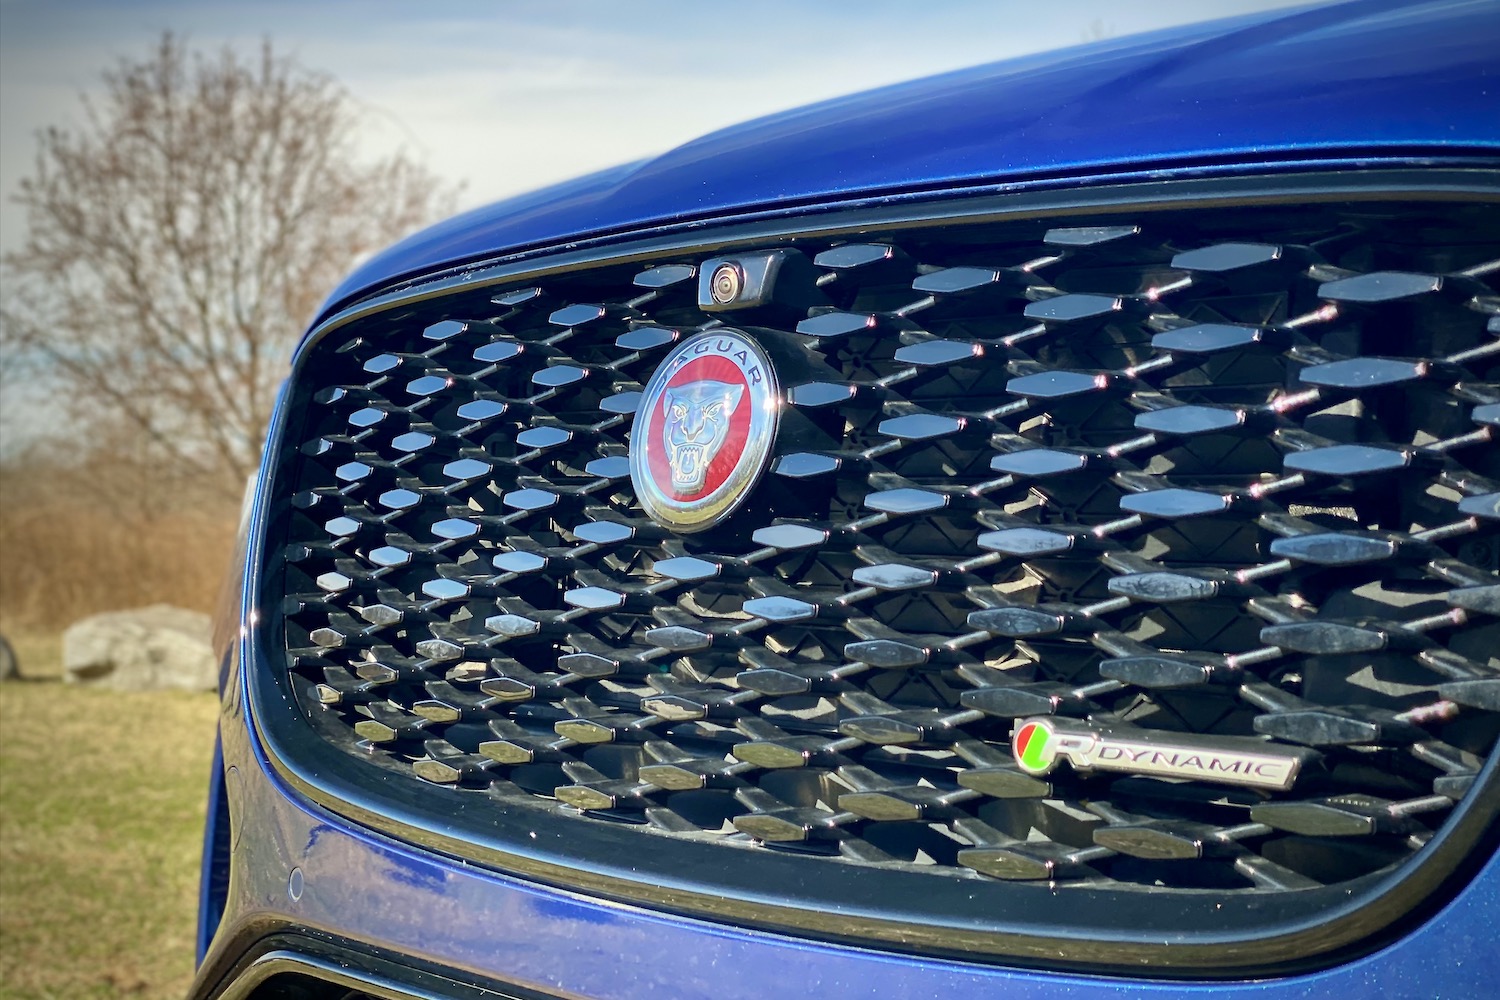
(1224, 473)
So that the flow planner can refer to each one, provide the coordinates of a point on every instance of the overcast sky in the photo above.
(508, 96)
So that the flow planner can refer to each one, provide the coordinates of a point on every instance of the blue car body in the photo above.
(1353, 83)
(291, 887)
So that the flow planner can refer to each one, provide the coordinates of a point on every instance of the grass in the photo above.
(102, 799)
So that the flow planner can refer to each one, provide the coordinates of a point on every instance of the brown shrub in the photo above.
(78, 540)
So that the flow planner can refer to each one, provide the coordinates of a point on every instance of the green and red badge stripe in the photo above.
(1031, 746)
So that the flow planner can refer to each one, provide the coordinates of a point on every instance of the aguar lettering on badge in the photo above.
(704, 430)
(1039, 743)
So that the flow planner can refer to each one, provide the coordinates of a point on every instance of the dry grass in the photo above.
(61, 562)
(105, 533)
(102, 799)
(102, 793)
(38, 653)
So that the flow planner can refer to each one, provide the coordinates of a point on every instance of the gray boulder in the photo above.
(8, 666)
(145, 649)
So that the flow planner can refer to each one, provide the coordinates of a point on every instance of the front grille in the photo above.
(1202, 473)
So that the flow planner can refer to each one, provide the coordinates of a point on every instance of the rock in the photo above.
(145, 649)
(8, 667)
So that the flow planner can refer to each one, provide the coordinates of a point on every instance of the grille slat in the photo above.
(1224, 475)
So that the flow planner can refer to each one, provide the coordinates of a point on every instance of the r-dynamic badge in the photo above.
(704, 430)
(1039, 743)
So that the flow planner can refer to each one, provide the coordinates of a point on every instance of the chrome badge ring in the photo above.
(703, 433)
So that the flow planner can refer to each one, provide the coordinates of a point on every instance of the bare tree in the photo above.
(181, 238)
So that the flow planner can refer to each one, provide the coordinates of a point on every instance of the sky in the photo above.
(509, 96)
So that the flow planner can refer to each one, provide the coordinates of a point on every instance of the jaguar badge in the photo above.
(1040, 742)
(703, 433)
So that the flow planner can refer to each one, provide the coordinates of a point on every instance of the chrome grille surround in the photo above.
(1220, 471)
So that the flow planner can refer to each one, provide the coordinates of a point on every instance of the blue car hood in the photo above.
(1376, 79)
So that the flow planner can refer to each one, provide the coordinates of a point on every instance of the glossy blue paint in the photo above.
(215, 858)
(386, 895)
(1376, 79)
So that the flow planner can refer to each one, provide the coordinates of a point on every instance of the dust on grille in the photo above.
(1226, 473)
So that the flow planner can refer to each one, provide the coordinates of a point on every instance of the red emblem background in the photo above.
(718, 369)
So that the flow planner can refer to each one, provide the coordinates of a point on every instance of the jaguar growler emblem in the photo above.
(704, 430)
(1039, 743)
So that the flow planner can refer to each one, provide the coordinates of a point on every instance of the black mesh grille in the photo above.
(1219, 473)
